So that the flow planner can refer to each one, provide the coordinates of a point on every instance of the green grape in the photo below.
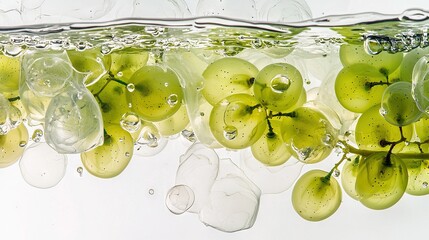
(420, 83)
(111, 158)
(381, 180)
(410, 59)
(309, 134)
(237, 121)
(316, 196)
(228, 76)
(385, 63)
(398, 106)
(418, 177)
(348, 176)
(12, 145)
(422, 132)
(91, 62)
(270, 148)
(373, 131)
(126, 62)
(278, 86)
(111, 96)
(359, 87)
(9, 76)
(156, 93)
(174, 124)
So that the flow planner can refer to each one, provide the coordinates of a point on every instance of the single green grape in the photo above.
(111, 96)
(90, 62)
(10, 69)
(420, 84)
(418, 177)
(373, 132)
(237, 121)
(155, 93)
(381, 180)
(309, 134)
(270, 149)
(410, 59)
(278, 86)
(228, 76)
(174, 124)
(126, 62)
(316, 196)
(12, 145)
(385, 63)
(398, 106)
(348, 176)
(111, 158)
(359, 87)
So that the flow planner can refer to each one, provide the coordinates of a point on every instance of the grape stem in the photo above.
(290, 114)
(113, 78)
(14, 99)
(328, 176)
(369, 85)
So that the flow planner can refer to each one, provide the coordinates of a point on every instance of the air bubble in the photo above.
(22, 143)
(425, 185)
(151, 191)
(373, 46)
(131, 87)
(127, 154)
(280, 83)
(80, 171)
(37, 135)
(337, 173)
(230, 132)
(172, 100)
(179, 199)
(189, 135)
(130, 122)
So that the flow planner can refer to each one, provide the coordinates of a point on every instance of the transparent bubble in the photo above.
(131, 87)
(240, 9)
(172, 100)
(189, 135)
(230, 132)
(47, 74)
(233, 201)
(149, 142)
(41, 166)
(280, 83)
(179, 199)
(22, 143)
(37, 135)
(337, 173)
(130, 122)
(151, 191)
(15, 116)
(286, 11)
(160, 9)
(198, 170)
(73, 125)
(80, 171)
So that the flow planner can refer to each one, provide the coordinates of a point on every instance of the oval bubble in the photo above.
(41, 166)
(179, 199)
(149, 142)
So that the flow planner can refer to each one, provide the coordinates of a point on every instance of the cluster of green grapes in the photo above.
(386, 148)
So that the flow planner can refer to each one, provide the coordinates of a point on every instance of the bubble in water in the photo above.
(37, 135)
(130, 122)
(172, 100)
(46, 74)
(41, 166)
(425, 185)
(179, 199)
(12, 50)
(149, 142)
(280, 83)
(337, 173)
(127, 154)
(15, 116)
(151, 191)
(80, 171)
(189, 135)
(242, 9)
(23, 143)
(230, 132)
(131, 87)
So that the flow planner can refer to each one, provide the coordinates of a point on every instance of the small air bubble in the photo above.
(337, 173)
(130, 122)
(120, 74)
(280, 83)
(127, 154)
(131, 87)
(172, 100)
(22, 143)
(151, 191)
(37, 135)
(80, 171)
(230, 132)
(425, 185)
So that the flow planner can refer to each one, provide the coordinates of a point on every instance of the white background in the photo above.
(122, 208)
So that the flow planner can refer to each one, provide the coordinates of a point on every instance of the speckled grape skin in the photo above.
(379, 184)
(153, 87)
(111, 158)
(10, 149)
(315, 197)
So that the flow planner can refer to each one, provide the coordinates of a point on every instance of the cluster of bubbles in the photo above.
(53, 11)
